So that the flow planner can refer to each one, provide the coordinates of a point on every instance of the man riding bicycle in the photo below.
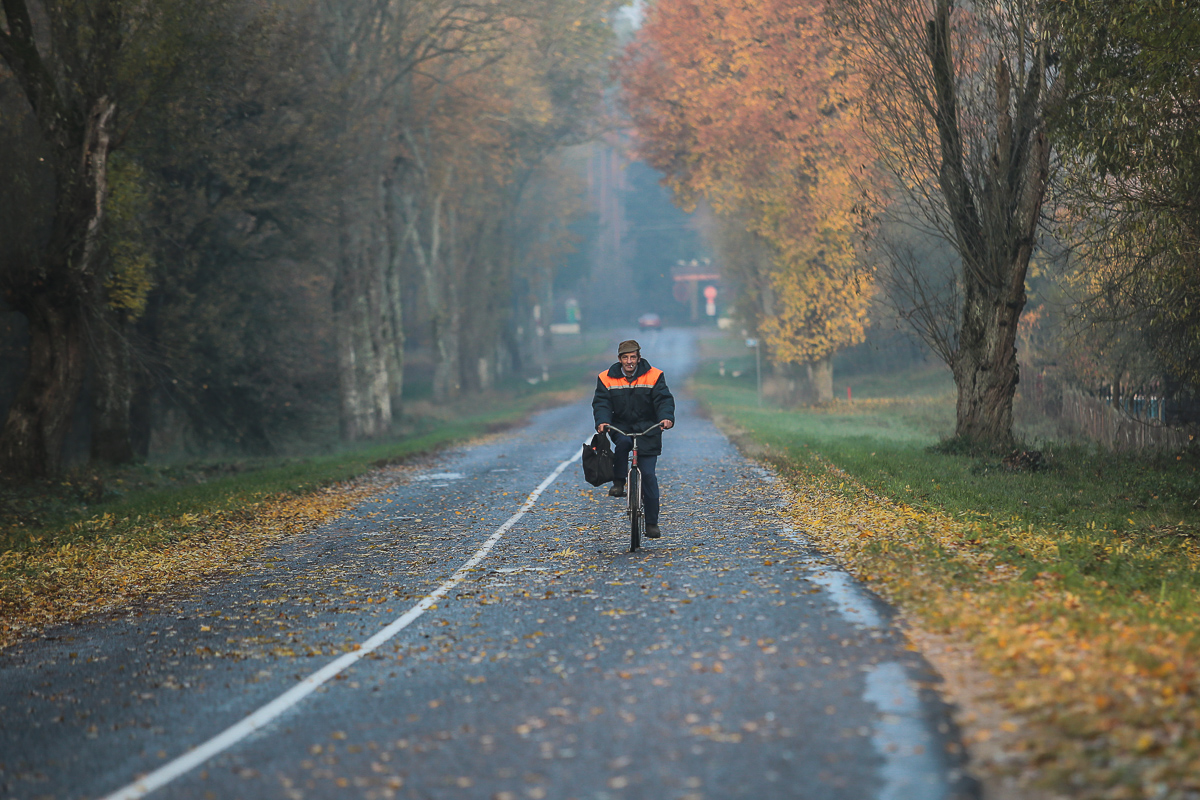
(633, 396)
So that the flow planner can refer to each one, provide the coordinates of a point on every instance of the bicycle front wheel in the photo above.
(637, 521)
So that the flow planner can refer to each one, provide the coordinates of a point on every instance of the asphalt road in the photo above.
(727, 659)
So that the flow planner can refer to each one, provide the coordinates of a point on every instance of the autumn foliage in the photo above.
(295, 217)
(747, 106)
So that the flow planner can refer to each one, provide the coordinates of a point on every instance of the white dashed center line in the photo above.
(265, 715)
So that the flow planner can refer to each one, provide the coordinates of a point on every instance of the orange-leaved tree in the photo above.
(747, 105)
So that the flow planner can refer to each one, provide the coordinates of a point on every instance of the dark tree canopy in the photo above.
(1130, 134)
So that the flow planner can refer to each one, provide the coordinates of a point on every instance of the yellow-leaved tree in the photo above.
(747, 106)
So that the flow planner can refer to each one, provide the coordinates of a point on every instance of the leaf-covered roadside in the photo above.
(115, 561)
(167, 537)
(1108, 685)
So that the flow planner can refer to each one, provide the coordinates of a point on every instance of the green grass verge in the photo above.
(101, 539)
(52, 514)
(1078, 586)
(1146, 505)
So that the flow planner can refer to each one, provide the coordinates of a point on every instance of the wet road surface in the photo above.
(727, 659)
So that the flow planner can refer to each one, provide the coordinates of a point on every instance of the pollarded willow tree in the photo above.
(747, 105)
(957, 101)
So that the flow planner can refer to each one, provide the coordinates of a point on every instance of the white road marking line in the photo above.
(263, 716)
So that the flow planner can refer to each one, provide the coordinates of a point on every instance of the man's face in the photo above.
(629, 362)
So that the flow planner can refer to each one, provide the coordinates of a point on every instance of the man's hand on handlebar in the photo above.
(665, 424)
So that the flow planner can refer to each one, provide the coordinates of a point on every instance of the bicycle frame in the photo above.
(633, 485)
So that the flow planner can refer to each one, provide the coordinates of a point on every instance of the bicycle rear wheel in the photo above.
(637, 521)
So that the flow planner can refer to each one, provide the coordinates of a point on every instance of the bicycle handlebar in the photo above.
(614, 428)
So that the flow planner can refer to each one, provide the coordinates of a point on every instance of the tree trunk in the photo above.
(484, 370)
(820, 380)
(363, 362)
(31, 442)
(376, 385)
(362, 312)
(343, 296)
(112, 440)
(55, 294)
(986, 370)
(142, 412)
(394, 240)
(447, 377)
(447, 373)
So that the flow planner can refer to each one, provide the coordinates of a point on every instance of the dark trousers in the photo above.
(622, 446)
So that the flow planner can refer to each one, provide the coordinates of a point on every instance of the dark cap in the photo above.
(628, 346)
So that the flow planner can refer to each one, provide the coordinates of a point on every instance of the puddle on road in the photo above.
(439, 476)
(910, 770)
(852, 604)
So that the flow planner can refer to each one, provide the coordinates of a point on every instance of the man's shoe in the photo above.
(652, 531)
(616, 490)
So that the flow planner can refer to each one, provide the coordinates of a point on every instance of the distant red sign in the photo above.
(710, 293)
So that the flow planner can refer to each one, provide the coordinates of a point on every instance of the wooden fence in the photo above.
(1137, 425)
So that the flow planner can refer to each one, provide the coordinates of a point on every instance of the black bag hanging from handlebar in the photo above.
(597, 460)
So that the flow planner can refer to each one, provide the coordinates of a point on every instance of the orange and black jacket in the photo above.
(634, 404)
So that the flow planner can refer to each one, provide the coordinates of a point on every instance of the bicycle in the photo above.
(633, 489)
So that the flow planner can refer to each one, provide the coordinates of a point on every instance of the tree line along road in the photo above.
(727, 659)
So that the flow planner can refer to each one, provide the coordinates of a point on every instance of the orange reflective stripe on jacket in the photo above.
(644, 381)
